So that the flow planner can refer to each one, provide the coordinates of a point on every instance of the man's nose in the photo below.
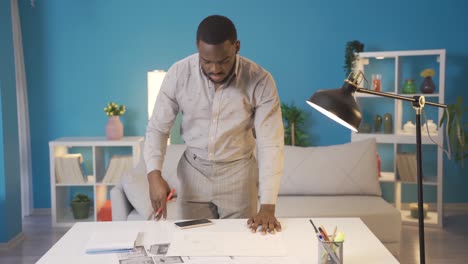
(216, 68)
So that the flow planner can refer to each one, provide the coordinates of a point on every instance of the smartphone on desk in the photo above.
(193, 223)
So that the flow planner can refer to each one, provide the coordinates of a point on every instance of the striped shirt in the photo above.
(221, 124)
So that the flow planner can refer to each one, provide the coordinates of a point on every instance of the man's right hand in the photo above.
(158, 189)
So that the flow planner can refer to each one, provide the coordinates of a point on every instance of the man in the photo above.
(228, 103)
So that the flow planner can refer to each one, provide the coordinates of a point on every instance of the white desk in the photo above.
(361, 246)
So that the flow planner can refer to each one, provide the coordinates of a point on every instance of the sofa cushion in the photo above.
(135, 182)
(347, 169)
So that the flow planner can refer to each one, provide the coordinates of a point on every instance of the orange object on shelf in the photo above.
(377, 82)
(105, 214)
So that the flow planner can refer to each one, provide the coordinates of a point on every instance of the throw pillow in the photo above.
(347, 169)
(135, 182)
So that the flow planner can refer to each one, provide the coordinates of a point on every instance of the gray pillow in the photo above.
(135, 182)
(347, 169)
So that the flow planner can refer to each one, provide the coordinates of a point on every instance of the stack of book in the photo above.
(117, 166)
(407, 167)
(70, 169)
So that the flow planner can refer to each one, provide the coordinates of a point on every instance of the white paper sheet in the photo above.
(213, 244)
(241, 260)
(108, 240)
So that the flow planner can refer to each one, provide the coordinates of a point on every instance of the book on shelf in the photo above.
(117, 166)
(69, 169)
(407, 167)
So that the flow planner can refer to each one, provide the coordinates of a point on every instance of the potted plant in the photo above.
(80, 206)
(114, 127)
(352, 48)
(456, 129)
(294, 119)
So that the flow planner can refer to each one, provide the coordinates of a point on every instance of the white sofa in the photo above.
(332, 181)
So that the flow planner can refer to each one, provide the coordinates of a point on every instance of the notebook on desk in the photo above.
(111, 240)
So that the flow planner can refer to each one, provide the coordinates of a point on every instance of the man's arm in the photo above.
(157, 133)
(270, 141)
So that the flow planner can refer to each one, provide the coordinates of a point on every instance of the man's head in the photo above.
(217, 47)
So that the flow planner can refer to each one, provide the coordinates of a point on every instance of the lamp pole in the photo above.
(418, 102)
(418, 108)
(340, 105)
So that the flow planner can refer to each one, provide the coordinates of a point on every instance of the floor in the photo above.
(447, 245)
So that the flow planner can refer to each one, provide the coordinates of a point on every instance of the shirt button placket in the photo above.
(213, 127)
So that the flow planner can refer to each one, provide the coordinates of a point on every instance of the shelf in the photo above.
(96, 150)
(105, 184)
(73, 184)
(387, 176)
(94, 141)
(396, 67)
(66, 218)
(431, 219)
(390, 177)
(365, 95)
(430, 181)
(394, 54)
(396, 138)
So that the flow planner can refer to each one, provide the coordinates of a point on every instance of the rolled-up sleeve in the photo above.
(270, 139)
(164, 113)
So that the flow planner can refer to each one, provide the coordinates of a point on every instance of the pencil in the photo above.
(325, 234)
(334, 233)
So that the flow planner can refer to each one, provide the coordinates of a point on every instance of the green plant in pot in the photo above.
(294, 119)
(457, 130)
(80, 206)
(352, 48)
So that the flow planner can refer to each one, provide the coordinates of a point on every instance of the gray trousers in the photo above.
(216, 189)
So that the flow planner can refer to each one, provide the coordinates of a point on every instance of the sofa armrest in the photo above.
(121, 207)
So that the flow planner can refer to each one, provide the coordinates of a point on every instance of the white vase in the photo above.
(114, 128)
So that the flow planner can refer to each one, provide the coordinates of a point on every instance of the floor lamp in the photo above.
(341, 106)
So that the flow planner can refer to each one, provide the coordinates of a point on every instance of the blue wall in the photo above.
(10, 193)
(82, 54)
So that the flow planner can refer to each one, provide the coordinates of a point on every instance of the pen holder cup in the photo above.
(330, 252)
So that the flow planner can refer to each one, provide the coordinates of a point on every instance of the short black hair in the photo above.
(216, 29)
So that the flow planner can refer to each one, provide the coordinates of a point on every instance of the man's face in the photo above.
(217, 61)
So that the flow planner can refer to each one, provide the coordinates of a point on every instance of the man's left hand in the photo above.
(266, 219)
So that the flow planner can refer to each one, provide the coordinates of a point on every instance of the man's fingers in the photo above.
(278, 226)
(254, 225)
(159, 207)
(264, 228)
(271, 226)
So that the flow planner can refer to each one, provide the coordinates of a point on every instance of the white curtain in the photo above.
(23, 114)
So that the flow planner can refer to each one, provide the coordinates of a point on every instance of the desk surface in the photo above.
(361, 245)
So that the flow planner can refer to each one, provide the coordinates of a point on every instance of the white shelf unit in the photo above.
(398, 137)
(61, 193)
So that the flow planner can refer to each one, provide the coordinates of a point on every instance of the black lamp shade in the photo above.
(339, 105)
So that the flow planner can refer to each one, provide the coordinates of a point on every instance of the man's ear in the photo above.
(237, 46)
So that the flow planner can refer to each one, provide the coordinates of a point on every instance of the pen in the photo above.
(324, 233)
(316, 231)
(169, 197)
